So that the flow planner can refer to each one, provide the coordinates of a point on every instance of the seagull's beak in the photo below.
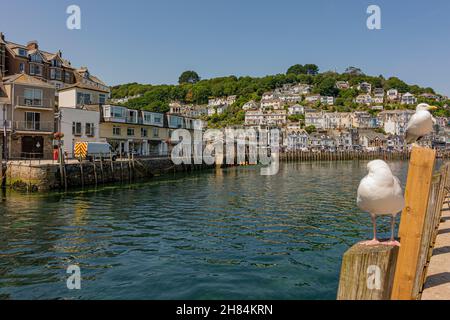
(432, 108)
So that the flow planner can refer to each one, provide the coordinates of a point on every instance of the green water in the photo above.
(231, 234)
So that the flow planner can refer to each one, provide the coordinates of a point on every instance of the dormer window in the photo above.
(56, 63)
(22, 52)
(36, 58)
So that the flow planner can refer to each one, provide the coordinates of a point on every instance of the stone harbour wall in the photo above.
(46, 177)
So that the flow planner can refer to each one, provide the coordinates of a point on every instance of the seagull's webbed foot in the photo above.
(373, 242)
(393, 243)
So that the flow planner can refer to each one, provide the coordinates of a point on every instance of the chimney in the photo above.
(32, 45)
(2, 36)
(59, 53)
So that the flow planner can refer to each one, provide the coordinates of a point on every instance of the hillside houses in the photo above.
(408, 98)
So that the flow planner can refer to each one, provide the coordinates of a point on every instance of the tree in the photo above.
(328, 88)
(296, 69)
(310, 129)
(311, 69)
(189, 77)
(353, 71)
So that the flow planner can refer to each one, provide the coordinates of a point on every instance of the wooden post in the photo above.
(412, 224)
(367, 273)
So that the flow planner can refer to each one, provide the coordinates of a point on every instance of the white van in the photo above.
(94, 150)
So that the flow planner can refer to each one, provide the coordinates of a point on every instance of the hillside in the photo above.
(196, 91)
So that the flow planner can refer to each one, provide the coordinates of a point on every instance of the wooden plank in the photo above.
(412, 223)
(367, 272)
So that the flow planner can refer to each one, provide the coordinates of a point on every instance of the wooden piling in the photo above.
(367, 273)
(412, 224)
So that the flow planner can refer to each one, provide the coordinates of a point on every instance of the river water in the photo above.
(227, 234)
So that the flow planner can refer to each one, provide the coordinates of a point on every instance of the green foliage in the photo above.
(307, 69)
(189, 77)
(196, 91)
(310, 129)
(296, 117)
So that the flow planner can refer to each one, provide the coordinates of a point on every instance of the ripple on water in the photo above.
(209, 235)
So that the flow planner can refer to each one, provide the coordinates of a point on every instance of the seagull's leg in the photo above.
(374, 241)
(392, 241)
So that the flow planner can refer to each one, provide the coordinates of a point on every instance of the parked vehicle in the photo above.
(94, 150)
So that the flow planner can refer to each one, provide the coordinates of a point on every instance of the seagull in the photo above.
(380, 194)
(421, 123)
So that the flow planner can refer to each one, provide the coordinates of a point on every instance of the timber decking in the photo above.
(437, 285)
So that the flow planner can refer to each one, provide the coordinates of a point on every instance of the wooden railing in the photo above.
(385, 272)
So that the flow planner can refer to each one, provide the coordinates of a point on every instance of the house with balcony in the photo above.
(142, 133)
(392, 95)
(408, 98)
(364, 99)
(31, 114)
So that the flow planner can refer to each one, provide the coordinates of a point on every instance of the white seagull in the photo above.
(380, 194)
(421, 123)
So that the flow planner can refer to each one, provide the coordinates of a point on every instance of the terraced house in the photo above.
(31, 60)
(30, 114)
(134, 131)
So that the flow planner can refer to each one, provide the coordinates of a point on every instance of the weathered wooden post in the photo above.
(420, 176)
(367, 273)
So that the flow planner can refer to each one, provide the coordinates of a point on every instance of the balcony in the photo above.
(23, 102)
(35, 126)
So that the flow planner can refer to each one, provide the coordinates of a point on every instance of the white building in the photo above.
(408, 98)
(392, 95)
(327, 100)
(79, 125)
(394, 122)
(296, 109)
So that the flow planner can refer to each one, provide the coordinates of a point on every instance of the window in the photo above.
(35, 70)
(22, 67)
(116, 131)
(36, 58)
(158, 119)
(90, 129)
(56, 63)
(130, 131)
(33, 97)
(144, 132)
(102, 99)
(83, 98)
(22, 52)
(32, 120)
(68, 77)
(55, 74)
(117, 112)
(76, 128)
(155, 132)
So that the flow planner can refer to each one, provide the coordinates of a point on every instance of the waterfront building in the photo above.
(33, 61)
(30, 113)
(363, 120)
(371, 140)
(296, 138)
(315, 119)
(79, 125)
(134, 131)
(395, 121)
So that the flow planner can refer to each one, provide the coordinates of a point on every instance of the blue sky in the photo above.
(151, 41)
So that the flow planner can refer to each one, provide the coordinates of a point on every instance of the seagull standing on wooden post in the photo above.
(380, 194)
(421, 123)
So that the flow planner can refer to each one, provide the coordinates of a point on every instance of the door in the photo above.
(32, 147)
